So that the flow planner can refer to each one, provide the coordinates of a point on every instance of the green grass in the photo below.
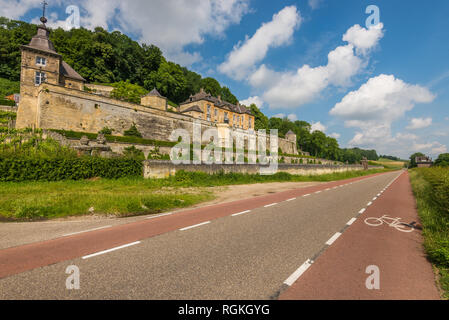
(431, 189)
(127, 196)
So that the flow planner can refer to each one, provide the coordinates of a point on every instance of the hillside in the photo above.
(132, 68)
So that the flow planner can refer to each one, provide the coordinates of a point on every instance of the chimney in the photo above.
(219, 98)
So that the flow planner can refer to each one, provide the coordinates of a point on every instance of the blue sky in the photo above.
(382, 87)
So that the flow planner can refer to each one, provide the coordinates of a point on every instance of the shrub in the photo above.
(134, 153)
(133, 132)
(17, 170)
(105, 131)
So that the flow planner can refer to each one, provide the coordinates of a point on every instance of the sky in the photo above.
(373, 74)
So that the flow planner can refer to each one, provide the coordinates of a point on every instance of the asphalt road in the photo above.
(228, 256)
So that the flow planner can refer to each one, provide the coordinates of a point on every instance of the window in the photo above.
(41, 61)
(249, 123)
(226, 119)
(208, 113)
(40, 78)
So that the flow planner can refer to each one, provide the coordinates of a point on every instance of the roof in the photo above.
(41, 41)
(289, 132)
(193, 108)
(202, 95)
(68, 72)
(154, 93)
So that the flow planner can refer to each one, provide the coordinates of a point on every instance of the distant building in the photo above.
(423, 162)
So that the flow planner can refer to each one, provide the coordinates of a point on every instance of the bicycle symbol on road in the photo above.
(392, 222)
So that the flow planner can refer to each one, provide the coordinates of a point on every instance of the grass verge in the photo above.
(430, 197)
(26, 201)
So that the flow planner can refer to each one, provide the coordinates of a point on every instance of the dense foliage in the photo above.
(316, 143)
(108, 57)
(7, 87)
(443, 160)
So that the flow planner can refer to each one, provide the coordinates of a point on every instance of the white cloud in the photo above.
(256, 100)
(364, 39)
(15, 9)
(291, 89)
(420, 123)
(375, 106)
(169, 24)
(275, 33)
(292, 117)
(315, 4)
(335, 135)
(318, 126)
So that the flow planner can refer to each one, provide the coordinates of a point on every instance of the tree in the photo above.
(260, 120)
(169, 81)
(128, 92)
(227, 95)
(413, 159)
(443, 160)
(212, 86)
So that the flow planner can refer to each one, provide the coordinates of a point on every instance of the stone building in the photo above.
(55, 96)
(424, 162)
(203, 105)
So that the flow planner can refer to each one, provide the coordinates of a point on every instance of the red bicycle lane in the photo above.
(367, 254)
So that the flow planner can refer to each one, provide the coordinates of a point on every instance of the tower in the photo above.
(41, 64)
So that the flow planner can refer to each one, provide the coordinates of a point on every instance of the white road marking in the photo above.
(317, 192)
(328, 189)
(333, 239)
(195, 226)
(240, 213)
(362, 211)
(375, 198)
(110, 250)
(292, 199)
(306, 195)
(379, 194)
(270, 205)
(160, 215)
(369, 204)
(298, 273)
(74, 233)
(350, 222)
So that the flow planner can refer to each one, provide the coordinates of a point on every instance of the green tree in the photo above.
(169, 81)
(124, 90)
(443, 160)
(260, 120)
(413, 159)
(212, 86)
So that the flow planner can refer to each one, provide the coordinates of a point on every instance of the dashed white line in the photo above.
(270, 205)
(110, 250)
(292, 199)
(317, 192)
(369, 204)
(160, 215)
(375, 198)
(350, 222)
(328, 189)
(333, 239)
(240, 213)
(298, 273)
(362, 211)
(306, 195)
(195, 226)
(74, 233)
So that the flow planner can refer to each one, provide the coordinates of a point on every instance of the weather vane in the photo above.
(43, 19)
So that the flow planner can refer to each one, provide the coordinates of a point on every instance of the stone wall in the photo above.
(67, 109)
(165, 169)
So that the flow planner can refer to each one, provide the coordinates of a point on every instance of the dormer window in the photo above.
(40, 78)
(40, 61)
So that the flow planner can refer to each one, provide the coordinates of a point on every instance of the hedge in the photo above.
(110, 138)
(17, 170)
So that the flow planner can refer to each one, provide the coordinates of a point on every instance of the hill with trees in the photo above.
(133, 69)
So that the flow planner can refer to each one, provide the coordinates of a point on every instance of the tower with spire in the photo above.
(41, 64)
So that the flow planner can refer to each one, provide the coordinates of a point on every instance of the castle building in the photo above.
(42, 64)
(212, 109)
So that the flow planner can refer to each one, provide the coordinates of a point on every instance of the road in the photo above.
(247, 249)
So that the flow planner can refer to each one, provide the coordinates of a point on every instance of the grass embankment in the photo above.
(389, 164)
(431, 189)
(128, 196)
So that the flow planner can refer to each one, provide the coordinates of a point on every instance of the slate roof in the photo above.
(41, 41)
(154, 93)
(193, 108)
(67, 71)
(202, 95)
